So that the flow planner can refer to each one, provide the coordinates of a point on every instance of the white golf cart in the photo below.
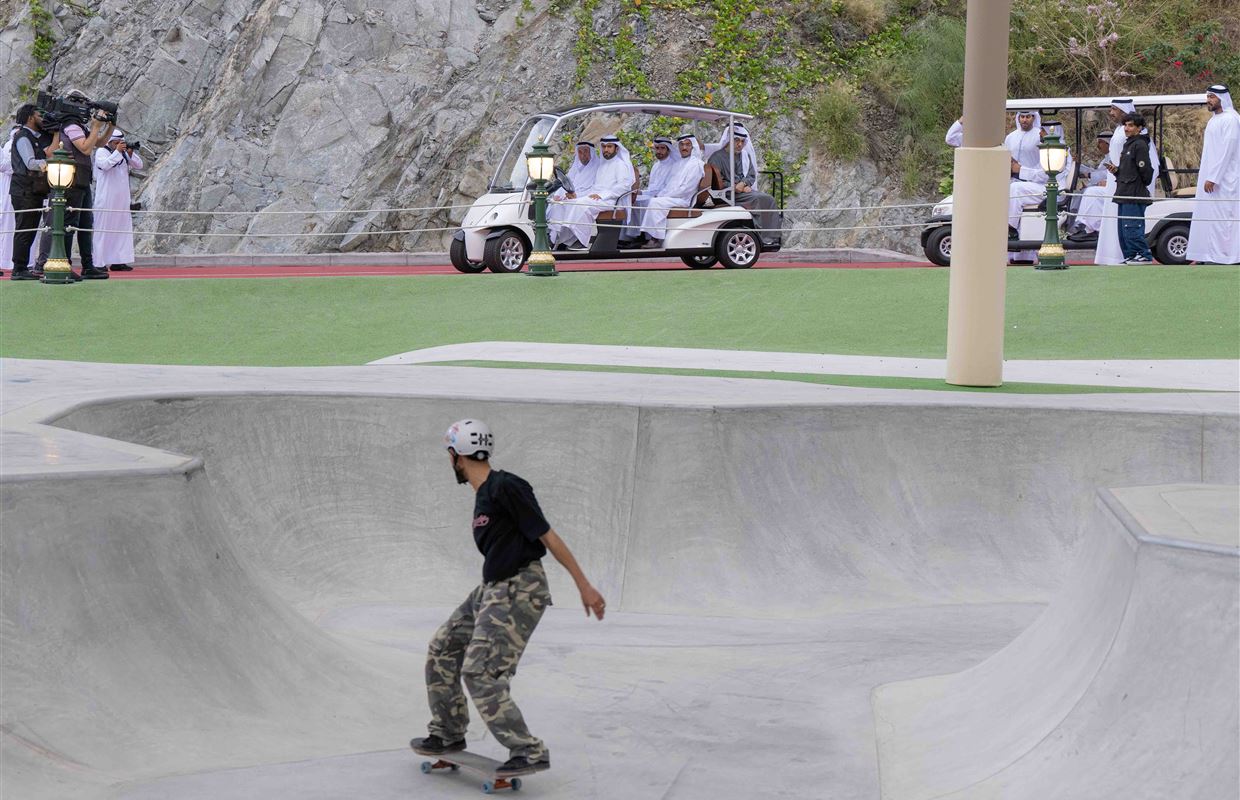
(498, 230)
(1167, 218)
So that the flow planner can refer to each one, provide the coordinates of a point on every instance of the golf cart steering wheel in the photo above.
(560, 180)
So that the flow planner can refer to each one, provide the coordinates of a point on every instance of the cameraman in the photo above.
(78, 196)
(28, 188)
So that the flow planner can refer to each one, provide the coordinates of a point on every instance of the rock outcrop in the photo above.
(341, 107)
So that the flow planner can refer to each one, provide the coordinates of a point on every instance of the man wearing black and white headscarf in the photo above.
(1215, 233)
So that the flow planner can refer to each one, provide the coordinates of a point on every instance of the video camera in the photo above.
(65, 110)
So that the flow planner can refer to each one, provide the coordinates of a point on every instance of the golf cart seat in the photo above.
(1184, 191)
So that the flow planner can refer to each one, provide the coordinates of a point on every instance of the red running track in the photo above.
(362, 270)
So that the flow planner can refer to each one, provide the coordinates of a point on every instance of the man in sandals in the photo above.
(484, 638)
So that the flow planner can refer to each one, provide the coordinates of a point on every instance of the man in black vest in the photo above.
(81, 144)
(28, 188)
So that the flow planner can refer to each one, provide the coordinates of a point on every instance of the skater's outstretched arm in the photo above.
(590, 598)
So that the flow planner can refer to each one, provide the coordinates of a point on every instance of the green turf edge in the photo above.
(865, 381)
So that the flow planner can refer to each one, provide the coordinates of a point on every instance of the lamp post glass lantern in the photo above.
(541, 166)
(1053, 154)
(60, 173)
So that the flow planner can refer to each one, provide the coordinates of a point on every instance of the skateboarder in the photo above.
(483, 639)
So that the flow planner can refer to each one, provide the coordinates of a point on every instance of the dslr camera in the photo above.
(74, 108)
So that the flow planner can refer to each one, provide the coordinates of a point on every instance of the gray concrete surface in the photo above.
(1125, 687)
(219, 582)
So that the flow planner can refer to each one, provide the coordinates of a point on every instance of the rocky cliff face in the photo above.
(341, 106)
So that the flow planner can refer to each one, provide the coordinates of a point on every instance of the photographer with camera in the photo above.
(28, 188)
(70, 119)
(113, 243)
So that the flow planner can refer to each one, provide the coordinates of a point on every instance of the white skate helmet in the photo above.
(470, 437)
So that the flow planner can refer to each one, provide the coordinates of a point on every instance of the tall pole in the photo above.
(979, 213)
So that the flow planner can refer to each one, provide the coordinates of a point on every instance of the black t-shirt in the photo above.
(507, 525)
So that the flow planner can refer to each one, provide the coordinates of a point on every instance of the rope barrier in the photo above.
(1129, 197)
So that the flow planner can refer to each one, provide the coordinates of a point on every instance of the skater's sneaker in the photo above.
(520, 765)
(434, 746)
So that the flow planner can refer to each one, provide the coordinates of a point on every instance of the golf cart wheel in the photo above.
(1172, 246)
(738, 248)
(456, 252)
(506, 252)
(700, 262)
(939, 246)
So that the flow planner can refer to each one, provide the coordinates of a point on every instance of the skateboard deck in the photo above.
(481, 766)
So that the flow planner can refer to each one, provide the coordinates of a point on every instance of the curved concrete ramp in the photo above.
(238, 605)
(1125, 687)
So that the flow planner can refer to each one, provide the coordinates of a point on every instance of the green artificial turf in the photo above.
(1081, 313)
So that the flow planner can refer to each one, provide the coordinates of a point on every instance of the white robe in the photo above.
(113, 238)
(1095, 198)
(613, 179)
(1215, 233)
(582, 177)
(677, 192)
(1108, 250)
(659, 175)
(955, 134)
(1025, 189)
(7, 218)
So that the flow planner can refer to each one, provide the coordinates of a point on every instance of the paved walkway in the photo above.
(1206, 374)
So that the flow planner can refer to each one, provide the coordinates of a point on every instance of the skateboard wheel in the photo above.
(487, 788)
(454, 767)
(426, 767)
(516, 784)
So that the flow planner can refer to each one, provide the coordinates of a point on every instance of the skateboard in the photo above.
(479, 765)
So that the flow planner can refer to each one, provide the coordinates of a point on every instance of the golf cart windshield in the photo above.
(513, 174)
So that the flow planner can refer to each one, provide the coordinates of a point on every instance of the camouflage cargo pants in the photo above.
(482, 642)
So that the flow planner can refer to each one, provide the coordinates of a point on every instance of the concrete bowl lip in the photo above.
(37, 416)
(1120, 502)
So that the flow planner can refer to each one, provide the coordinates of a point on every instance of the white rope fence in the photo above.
(523, 203)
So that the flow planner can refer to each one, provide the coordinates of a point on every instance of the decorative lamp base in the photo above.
(542, 265)
(1051, 256)
(57, 270)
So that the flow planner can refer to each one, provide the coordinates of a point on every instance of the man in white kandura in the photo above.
(678, 190)
(1108, 250)
(113, 238)
(1028, 183)
(1214, 237)
(8, 220)
(662, 169)
(614, 179)
(581, 175)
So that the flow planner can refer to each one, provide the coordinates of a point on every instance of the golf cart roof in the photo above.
(655, 107)
(1140, 101)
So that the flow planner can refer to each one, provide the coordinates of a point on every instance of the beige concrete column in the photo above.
(980, 197)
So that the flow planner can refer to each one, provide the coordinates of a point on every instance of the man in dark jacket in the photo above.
(1132, 177)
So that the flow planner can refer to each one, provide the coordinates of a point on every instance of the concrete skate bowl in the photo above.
(250, 621)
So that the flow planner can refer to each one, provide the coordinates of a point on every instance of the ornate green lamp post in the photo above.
(541, 166)
(1053, 154)
(60, 169)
